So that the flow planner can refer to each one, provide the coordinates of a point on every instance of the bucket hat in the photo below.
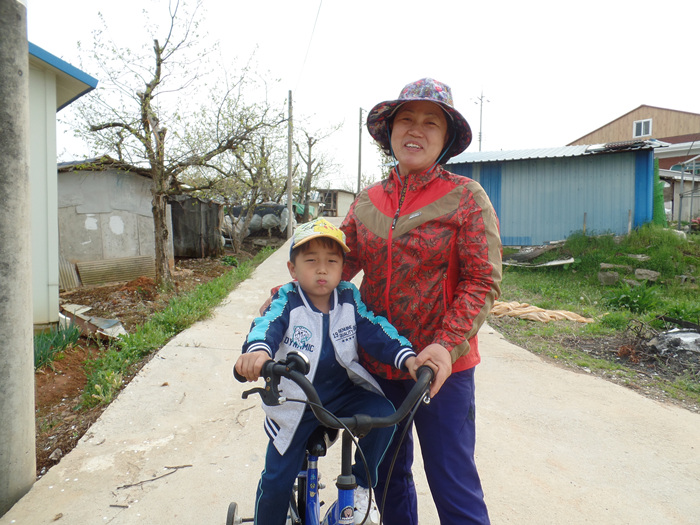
(426, 89)
(315, 229)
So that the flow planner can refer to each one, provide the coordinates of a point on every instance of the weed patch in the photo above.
(48, 345)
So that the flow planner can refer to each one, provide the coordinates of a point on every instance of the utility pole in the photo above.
(17, 441)
(290, 140)
(359, 158)
(481, 113)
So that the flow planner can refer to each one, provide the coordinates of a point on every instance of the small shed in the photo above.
(197, 225)
(336, 203)
(105, 223)
(545, 195)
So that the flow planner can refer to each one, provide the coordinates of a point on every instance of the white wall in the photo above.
(44, 212)
(690, 210)
(105, 215)
(345, 200)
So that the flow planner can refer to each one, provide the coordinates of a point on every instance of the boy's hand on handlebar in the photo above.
(438, 358)
(410, 365)
(249, 365)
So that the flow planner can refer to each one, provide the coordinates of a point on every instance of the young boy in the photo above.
(326, 320)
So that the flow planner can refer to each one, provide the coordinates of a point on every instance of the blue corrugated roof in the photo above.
(552, 153)
(519, 154)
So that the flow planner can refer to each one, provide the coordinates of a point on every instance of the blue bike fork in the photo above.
(342, 512)
(312, 513)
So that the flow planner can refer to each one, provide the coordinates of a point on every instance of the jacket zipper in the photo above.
(444, 291)
(391, 236)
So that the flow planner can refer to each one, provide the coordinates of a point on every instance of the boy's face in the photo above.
(318, 269)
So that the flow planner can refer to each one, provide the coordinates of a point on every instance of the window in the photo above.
(642, 128)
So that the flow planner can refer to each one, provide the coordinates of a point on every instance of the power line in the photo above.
(308, 46)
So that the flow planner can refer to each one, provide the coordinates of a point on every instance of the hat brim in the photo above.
(379, 116)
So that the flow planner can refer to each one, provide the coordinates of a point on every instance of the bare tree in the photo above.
(316, 164)
(250, 175)
(142, 116)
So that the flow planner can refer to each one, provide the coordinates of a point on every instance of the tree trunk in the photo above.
(163, 275)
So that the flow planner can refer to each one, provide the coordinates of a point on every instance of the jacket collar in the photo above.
(415, 181)
(307, 302)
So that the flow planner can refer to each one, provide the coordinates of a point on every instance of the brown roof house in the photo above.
(680, 129)
(679, 156)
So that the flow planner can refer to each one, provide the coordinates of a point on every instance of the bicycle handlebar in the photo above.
(295, 369)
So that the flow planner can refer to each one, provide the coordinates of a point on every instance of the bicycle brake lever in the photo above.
(252, 391)
(269, 395)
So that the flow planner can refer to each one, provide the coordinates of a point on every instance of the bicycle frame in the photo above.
(305, 508)
(341, 510)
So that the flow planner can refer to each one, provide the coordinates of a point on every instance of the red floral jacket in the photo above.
(430, 250)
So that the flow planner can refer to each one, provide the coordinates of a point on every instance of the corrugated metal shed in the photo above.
(545, 195)
(196, 226)
(116, 270)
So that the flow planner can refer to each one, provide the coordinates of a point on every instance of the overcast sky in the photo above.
(550, 71)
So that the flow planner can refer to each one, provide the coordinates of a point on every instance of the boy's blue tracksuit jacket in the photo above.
(292, 323)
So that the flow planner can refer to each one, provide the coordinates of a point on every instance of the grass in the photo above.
(107, 372)
(48, 346)
(576, 288)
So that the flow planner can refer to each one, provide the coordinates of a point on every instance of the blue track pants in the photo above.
(447, 433)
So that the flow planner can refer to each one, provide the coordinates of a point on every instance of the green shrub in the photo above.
(48, 345)
(636, 299)
(229, 260)
(616, 320)
(659, 211)
(685, 311)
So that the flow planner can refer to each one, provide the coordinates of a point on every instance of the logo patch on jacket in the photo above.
(347, 333)
(300, 339)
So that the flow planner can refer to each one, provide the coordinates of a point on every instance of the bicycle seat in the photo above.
(320, 440)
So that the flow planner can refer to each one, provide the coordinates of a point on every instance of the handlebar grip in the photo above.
(425, 369)
(264, 371)
(239, 377)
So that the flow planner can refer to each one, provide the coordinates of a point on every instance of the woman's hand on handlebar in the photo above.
(249, 365)
(265, 305)
(438, 358)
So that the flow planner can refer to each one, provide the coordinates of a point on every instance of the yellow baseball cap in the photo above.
(318, 228)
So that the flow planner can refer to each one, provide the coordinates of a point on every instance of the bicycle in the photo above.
(305, 504)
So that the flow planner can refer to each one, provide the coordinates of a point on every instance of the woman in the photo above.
(428, 243)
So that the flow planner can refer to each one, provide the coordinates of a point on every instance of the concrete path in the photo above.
(553, 447)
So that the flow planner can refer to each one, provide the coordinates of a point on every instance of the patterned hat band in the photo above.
(317, 228)
(428, 90)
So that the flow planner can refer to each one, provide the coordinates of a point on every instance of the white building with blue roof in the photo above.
(53, 85)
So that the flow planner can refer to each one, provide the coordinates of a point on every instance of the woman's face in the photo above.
(418, 136)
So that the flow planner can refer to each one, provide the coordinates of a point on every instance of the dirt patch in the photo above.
(58, 388)
(133, 302)
(633, 363)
